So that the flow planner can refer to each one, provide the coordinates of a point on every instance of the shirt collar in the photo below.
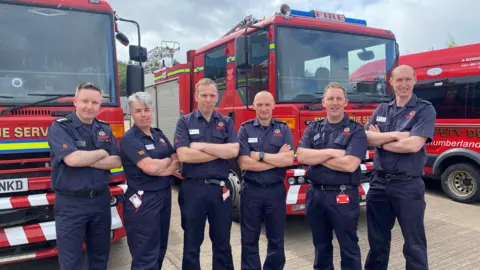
(411, 103)
(256, 122)
(76, 121)
(199, 115)
(139, 133)
(345, 121)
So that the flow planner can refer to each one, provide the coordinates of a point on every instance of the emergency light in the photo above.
(320, 15)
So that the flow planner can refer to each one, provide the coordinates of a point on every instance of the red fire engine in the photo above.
(450, 79)
(42, 61)
(294, 55)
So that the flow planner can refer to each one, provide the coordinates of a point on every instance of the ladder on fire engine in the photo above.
(156, 57)
(247, 21)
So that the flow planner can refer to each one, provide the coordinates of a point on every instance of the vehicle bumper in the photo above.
(36, 241)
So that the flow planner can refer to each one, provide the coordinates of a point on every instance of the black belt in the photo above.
(334, 188)
(253, 183)
(82, 193)
(221, 183)
(390, 176)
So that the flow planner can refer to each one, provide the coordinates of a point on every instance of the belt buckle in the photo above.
(92, 193)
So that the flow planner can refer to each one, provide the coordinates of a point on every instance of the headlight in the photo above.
(291, 181)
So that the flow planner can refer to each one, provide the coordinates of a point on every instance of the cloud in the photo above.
(418, 24)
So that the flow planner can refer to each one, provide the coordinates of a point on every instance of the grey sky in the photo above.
(418, 24)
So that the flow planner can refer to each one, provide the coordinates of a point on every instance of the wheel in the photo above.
(235, 178)
(461, 182)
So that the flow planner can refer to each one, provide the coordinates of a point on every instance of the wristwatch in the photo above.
(261, 155)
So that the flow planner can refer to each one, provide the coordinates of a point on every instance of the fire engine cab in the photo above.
(293, 54)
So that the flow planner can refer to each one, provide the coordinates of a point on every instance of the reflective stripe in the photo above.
(21, 146)
(231, 59)
(272, 46)
(198, 69)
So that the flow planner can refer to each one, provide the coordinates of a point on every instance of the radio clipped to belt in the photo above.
(342, 197)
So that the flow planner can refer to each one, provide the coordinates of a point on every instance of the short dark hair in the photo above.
(88, 86)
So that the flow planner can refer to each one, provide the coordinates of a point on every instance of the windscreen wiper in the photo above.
(51, 97)
(309, 106)
(379, 99)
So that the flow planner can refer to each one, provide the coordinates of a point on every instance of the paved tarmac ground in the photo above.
(453, 232)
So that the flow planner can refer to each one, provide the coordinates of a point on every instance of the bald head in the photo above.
(264, 105)
(402, 69)
(264, 96)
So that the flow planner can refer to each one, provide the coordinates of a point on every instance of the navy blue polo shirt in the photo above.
(135, 146)
(417, 117)
(69, 134)
(255, 137)
(347, 135)
(193, 127)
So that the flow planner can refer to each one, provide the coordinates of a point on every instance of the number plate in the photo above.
(13, 185)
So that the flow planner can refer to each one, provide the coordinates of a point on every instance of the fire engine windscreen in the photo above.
(49, 51)
(307, 60)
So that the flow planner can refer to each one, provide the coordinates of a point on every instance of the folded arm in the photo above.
(82, 158)
(188, 155)
(108, 163)
(317, 156)
(409, 145)
(223, 151)
(247, 163)
(347, 163)
(282, 159)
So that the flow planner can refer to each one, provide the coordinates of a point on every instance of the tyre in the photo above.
(235, 178)
(461, 182)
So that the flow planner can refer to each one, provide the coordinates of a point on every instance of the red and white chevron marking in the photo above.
(40, 232)
(43, 199)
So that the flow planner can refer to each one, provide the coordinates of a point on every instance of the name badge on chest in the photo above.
(81, 143)
(252, 140)
(382, 119)
(193, 131)
(149, 146)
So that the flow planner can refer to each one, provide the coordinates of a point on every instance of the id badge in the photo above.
(136, 200)
(342, 198)
(225, 193)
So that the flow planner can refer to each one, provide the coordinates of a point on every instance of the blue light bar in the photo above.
(311, 14)
(356, 21)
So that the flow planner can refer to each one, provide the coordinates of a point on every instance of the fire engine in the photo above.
(47, 47)
(450, 79)
(293, 54)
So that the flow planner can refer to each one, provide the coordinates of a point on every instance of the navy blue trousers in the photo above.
(198, 202)
(147, 228)
(404, 200)
(258, 204)
(79, 219)
(325, 215)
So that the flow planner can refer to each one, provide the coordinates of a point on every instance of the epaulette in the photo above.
(421, 100)
(248, 121)
(102, 122)
(63, 119)
(279, 121)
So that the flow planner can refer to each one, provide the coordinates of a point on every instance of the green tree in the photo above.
(122, 77)
(451, 41)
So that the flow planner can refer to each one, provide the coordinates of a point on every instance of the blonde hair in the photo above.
(204, 81)
(335, 85)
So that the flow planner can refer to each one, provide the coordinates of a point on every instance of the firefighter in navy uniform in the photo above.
(399, 129)
(205, 140)
(265, 151)
(82, 150)
(334, 148)
(149, 161)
